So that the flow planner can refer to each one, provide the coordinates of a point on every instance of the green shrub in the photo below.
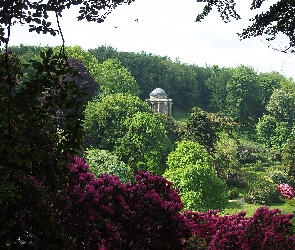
(279, 177)
(234, 179)
(191, 171)
(200, 128)
(225, 153)
(262, 192)
(259, 166)
(291, 202)
(103, 162)
(233, 193)
(249, 152)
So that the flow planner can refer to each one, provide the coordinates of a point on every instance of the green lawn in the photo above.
(180, 116)
(234, 207)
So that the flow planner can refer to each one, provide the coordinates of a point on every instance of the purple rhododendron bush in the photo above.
(286, 191)
(103, 213)
(266, 229)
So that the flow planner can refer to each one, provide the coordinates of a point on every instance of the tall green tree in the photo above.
(274, 128)
(144, 145)
(33, 155)
(89, 61)
(242, 100)
(87, 67)
(288, 86)
(202, 74)
(183, 84)
(115, 78)
(217, 84)
(104, 119)
(103, 53)
(281, 106)
(268, 82)
(200, 128)
(265, 128)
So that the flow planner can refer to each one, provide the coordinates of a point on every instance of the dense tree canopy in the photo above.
(281, 106)
(180, 81)
(144, 145)
(104, 119)
(89, 61)
(216, 82)
(104, 162)
(274, 127)
(242, 100)
(200, 128)
(33, 151)
(115, 78)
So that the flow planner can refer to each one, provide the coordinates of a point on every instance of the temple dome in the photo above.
(158, 93)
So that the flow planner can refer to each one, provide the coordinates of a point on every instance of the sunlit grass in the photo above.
(235, 207)
(180, 116)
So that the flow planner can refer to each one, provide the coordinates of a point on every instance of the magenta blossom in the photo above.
(286, 190)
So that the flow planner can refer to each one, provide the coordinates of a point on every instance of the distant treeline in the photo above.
(239, 92)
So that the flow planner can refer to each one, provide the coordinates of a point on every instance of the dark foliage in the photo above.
(200, 128)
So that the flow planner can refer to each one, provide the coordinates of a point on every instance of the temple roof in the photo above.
(158, 92)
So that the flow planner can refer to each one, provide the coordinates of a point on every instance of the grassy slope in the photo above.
(180, 116)
(236, 206)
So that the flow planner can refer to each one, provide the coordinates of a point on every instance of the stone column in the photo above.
(159, 106)
(170, 108)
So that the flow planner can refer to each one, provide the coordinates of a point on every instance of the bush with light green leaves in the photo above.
(145, 144)
(103, 162)
(191, 171)
(115, 78)
(104, 119)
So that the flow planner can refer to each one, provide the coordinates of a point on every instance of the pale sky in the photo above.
(168, 28)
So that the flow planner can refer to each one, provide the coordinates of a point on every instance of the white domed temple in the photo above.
(159, 103)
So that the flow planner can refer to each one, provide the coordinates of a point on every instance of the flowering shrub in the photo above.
(286, 190)
(103, 213)
(266, 229)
